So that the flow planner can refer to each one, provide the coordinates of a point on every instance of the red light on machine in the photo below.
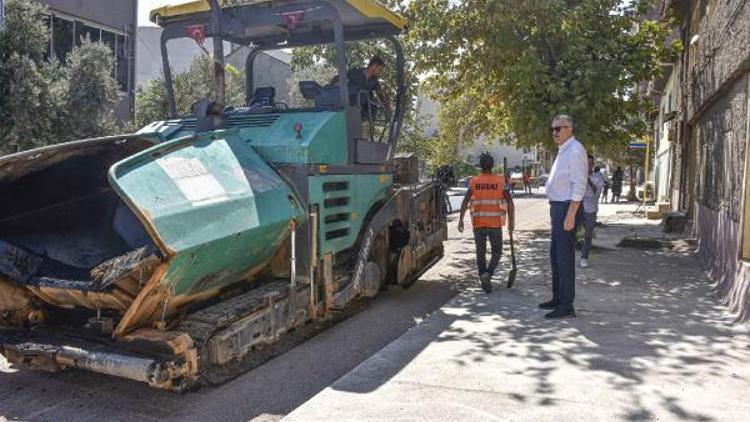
(291, 19)
(298, 130)
(197, 32)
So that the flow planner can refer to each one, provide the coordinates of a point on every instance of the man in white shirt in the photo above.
(594, 187)
(565, 188)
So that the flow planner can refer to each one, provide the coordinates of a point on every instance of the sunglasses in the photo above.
(557, 129)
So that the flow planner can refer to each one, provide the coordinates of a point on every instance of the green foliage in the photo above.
(312, 72)
(27, 102)
(25, 33)
(510, 66)
(90, 92)
(196, 83)
(414, 139)
(42, 103)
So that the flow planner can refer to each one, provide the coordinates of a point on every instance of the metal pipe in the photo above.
(399, 109)
(218, 52)
(168, 75)
(249, 71)
(313, 257)
(338, 32)
(138, 369)
(293, 263)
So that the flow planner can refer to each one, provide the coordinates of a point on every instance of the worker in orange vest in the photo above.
(490, 204)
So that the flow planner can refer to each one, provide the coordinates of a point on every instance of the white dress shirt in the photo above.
(591, 197)
(567, 179)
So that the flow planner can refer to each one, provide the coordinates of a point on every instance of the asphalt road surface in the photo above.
(273, 390)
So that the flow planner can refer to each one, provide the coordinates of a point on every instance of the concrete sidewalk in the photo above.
(651, 342)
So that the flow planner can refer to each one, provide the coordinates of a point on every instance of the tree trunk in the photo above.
(631, 193)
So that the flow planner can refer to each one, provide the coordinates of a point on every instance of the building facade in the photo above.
(110, 22)
(704, 121)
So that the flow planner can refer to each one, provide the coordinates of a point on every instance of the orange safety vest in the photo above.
(488, 203)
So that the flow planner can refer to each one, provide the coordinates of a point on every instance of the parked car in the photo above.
(516, 180)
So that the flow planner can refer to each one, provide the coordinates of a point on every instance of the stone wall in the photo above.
(722, 47)
(719, 243)
(720, 131)
(717, 109)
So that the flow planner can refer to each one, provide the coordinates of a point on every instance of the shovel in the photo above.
(513, 269)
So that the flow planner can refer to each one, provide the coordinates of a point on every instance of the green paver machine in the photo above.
(191, 249)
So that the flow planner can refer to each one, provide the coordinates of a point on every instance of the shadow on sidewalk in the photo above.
(642, 314)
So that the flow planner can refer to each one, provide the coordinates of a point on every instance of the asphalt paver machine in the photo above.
(198, 246)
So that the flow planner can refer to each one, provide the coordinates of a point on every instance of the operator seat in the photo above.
(264, 96)
(324, 96)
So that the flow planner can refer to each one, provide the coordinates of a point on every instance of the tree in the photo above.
(43, 102)
(189, 86)
(510, 66)
(90, 92)
(414, 139)
(27, 101)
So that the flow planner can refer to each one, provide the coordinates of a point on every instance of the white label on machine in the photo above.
(192, 178)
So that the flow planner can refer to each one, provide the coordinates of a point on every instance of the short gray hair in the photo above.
(564, 118)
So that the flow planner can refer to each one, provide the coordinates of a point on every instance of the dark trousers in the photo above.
(588, 219)
(527, 187)
(562, 256)
(495, 236)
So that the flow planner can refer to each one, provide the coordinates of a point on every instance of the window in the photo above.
(65, 34)
(84, 31)
(48, 24)
(62, 37)
(121, 59)
(110, 39)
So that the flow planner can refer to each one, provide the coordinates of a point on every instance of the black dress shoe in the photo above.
(486, 282)
(561, 313)
(550, 304)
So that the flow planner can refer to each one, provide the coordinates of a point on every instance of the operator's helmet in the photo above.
(486, 162)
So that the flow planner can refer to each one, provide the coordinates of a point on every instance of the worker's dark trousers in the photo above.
(495, 236)
(562, 256)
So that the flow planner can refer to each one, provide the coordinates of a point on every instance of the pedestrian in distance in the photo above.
(566, 186)
(605, 191)
(617, 184)
(490, 203)
(594, 187)
(527, 182)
